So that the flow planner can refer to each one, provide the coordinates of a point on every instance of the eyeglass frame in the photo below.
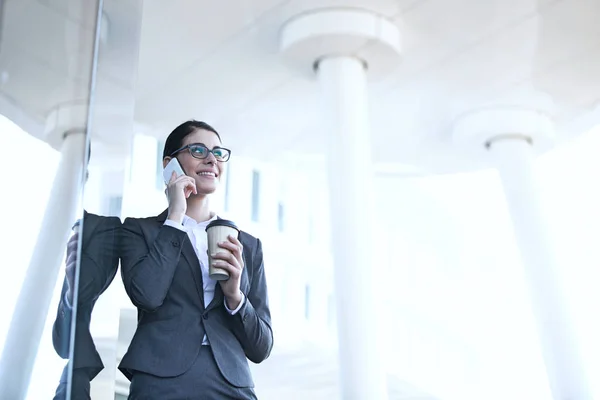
(188, 146)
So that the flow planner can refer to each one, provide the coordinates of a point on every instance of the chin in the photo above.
(206, 189)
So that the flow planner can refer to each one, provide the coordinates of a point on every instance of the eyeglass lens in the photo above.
(199, 151)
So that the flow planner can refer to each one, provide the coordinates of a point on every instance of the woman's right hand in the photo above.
(178, 190)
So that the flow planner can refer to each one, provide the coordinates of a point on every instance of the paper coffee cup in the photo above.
(217, 232)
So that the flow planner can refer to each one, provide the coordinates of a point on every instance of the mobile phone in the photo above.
(173, 165)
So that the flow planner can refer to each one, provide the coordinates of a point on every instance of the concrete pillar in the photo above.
(332, 44)
(510, 137)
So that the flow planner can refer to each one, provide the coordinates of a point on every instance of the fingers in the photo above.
(235, 240)
(183, 182)
(234, 252)
(173, 177)
(190, 187)
(72, 244)
(233, 270)
(234, 245)
(72, 249)
(71, 258)
(227, 256)
(175, 180)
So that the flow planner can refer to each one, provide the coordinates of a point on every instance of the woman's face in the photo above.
(206, 172)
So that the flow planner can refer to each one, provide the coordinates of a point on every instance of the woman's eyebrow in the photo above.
(202, 144)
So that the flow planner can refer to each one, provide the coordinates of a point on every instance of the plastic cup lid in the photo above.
(222, 222)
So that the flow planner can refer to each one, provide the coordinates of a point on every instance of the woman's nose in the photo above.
(210, 159)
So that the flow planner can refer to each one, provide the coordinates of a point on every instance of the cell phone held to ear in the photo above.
(173, 165)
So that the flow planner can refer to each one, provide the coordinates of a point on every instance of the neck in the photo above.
(198, 208)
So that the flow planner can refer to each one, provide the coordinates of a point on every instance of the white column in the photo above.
(341, 42)
(509, 135)
(514, 157)
(344, 86)
(31, 310)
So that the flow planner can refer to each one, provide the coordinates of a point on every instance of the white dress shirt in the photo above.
(199, 239)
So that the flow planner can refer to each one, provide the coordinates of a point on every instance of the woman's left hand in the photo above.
(232, 262)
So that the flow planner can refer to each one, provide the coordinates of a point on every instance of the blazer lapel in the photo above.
(218, 298)
(192, 261)
(189, 255)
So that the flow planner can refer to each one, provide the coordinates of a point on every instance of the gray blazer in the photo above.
(162, 277)
(98, 267)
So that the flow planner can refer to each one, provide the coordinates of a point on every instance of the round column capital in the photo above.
(336, 32)
(64, 119)
(477, 130)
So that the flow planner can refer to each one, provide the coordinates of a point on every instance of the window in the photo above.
(311, 229)
(255, 195)
(307, 302)
(330, 310)
(280, 217)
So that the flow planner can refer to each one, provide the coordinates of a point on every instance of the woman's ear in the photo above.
(166, 161)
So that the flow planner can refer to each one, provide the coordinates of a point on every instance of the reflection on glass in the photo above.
(102, 297)
(47, 56)
(97, 263)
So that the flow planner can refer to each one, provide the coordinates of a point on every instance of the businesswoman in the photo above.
(194, 334)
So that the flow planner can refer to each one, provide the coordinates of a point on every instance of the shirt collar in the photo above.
(189, 221)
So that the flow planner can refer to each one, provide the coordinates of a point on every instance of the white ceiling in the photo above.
(219, 61)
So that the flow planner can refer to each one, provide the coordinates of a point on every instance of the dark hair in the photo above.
(175, 138)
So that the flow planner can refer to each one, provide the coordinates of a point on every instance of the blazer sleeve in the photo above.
(97, 268)
(148, 264)
(99, 259)
(252, 323)
(62, 325)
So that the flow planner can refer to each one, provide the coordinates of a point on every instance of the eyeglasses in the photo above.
(198, 150)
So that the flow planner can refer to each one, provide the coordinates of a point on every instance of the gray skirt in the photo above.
(203, 381)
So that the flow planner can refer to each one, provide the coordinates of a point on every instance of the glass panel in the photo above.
(48, 54)
(114, 171)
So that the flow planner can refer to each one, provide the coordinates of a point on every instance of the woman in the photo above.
(194, 335)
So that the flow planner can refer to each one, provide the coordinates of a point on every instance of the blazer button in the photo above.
(205, 316)
(175, 243)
